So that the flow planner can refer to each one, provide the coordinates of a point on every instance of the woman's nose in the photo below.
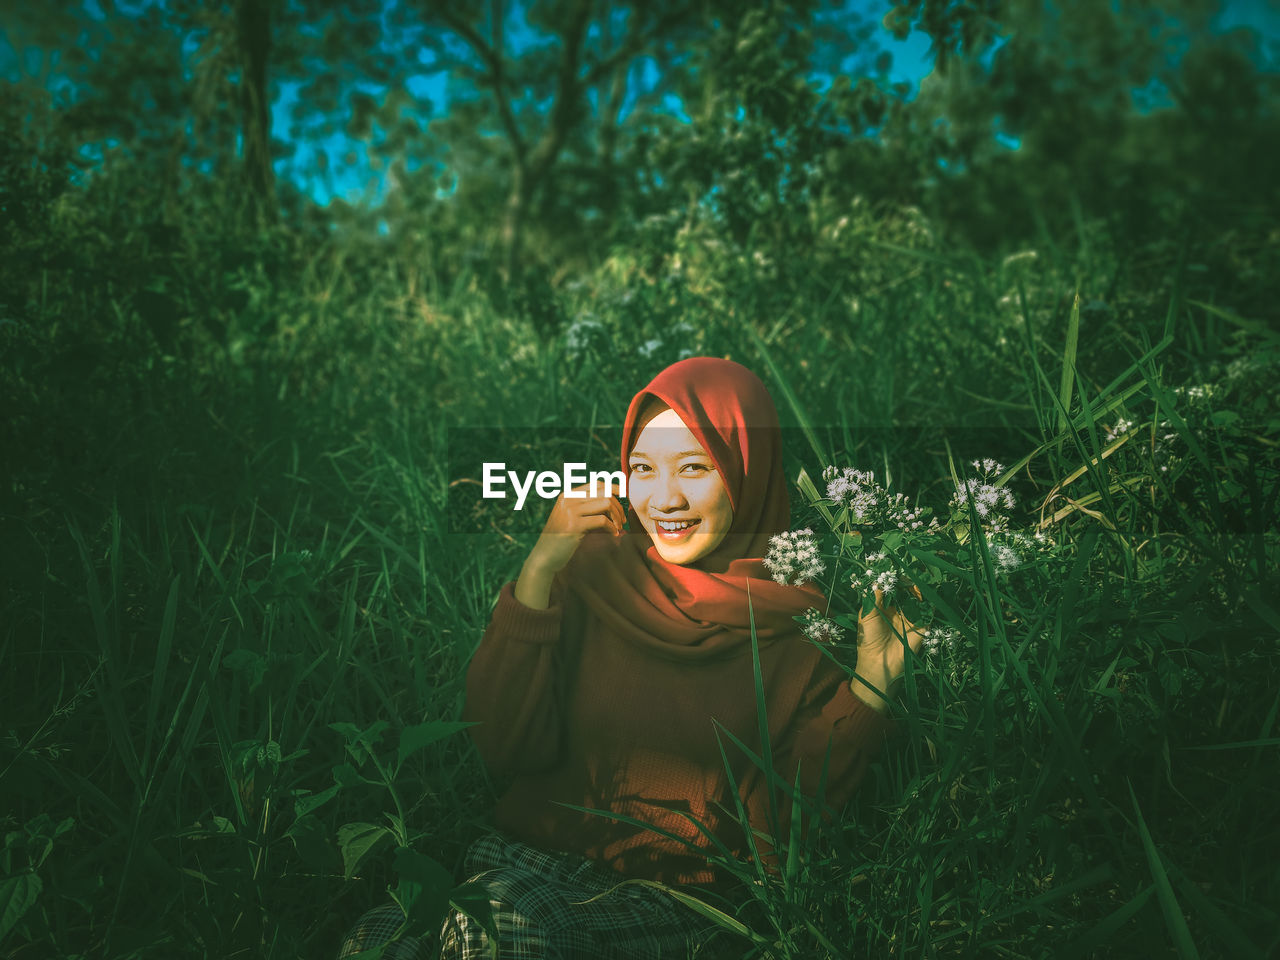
(667, 495)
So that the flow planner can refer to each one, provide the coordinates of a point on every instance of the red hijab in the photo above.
(700, 611)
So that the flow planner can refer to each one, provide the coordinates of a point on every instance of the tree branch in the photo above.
(637, 41)
(493, 59)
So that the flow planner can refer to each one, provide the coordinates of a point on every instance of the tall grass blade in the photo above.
(159, 671)
(1173, 917)
(1068, 380)
(788, 394)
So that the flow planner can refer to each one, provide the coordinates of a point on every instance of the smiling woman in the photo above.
(612, 669)
(676, 490)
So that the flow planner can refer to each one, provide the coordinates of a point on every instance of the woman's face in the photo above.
(676, 491)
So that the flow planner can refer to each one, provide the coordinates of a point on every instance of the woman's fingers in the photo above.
(606, 507)
(896, 619)
(597, 521)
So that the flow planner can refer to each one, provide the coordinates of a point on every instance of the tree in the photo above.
(578, 57)
(1136, 114)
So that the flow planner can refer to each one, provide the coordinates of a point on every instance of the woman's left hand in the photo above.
(881, 652)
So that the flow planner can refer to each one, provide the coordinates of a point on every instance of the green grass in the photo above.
(238, 603)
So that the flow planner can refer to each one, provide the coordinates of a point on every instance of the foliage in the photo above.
(238, 595)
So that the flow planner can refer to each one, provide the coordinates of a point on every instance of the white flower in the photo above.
(580, 334)
(1004, 557)
(887, 581)
(819, 629)
(1122, 426)
(869, 504)
(649, 348)
(990, 501)
(793, 557)
(936, 638)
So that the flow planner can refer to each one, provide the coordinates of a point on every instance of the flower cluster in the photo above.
(880, 574)
(819, 629)
(583, 334)
(681, 334)
(793, 557)
(869, 504)
(1122, 426)
(1197, 393)
(936, 638)
(990, 501)
(1004, 557)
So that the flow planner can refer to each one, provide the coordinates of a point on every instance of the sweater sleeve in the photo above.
(830, 727)
(511, 686)
(854, 733)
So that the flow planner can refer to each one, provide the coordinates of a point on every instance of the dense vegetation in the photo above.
(243, 563)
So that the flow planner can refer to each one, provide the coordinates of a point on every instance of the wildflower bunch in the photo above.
(678, 335)
(868, 502)
(880, 574)
(794, 557)
(1196, 393)
(937, 639)
(584, 333)
(990, 501)
(1121, 427)
(820, 629)
(1004, 552)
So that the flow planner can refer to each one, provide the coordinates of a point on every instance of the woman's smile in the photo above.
(673, 531)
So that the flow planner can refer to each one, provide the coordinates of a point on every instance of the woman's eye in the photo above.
(696, 466)
(639, 467)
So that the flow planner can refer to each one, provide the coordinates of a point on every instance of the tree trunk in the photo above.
(530, 175)
(253, 32)
(513, 223)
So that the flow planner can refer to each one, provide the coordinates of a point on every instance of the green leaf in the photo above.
(1107, 928)
(214, 827)
(423, 891)
(313, 844)
(704, 909)
(422, 735)
(18, 894)
(805, 483)
(357, 738)
(1173, 917)
(1227, 932)
(473, 900)
(252, 665)
(313, 801)
(1067, 384)
(789, 395)
(345, 775)
(357, 841)
(163, 649)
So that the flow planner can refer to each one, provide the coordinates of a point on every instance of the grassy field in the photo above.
(244, 569)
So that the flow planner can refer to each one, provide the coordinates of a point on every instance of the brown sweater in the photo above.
(578, 715)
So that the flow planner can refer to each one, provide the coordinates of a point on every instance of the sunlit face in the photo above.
(676, 490)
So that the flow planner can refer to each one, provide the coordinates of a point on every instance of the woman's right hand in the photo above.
(571, 519)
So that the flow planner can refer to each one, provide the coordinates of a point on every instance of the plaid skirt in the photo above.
(552, 906)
